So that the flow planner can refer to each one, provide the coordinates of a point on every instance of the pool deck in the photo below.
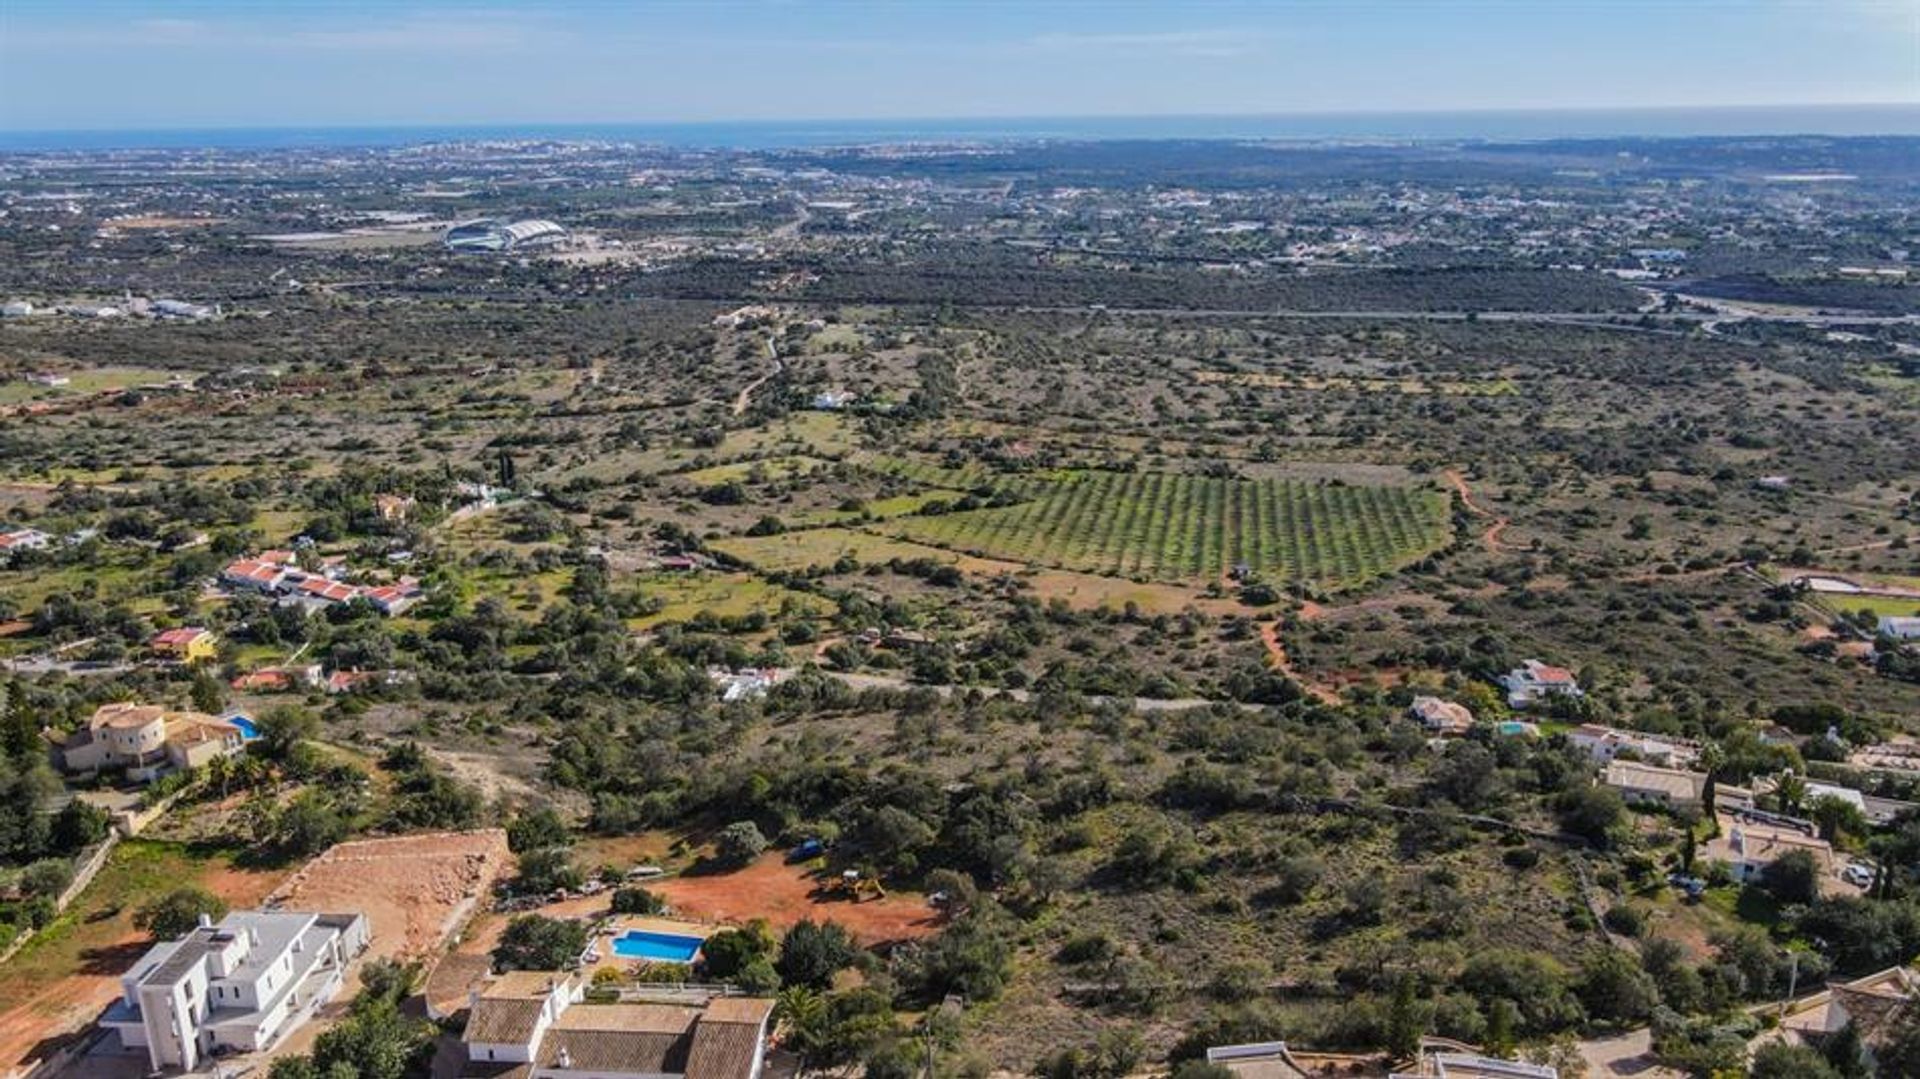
(649, 924)
(621, 923)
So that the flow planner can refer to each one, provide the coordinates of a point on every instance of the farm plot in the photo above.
(1164, 527)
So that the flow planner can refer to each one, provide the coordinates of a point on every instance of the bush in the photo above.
(1520, 857)
(739, 843)
(728, 953)
(77, 826)
(547, 869)
(1086, 948)
(174, 915)
(1793, 877)
(538, 829)
(46, 877)
(637, 901)
(1625, 920)
(533, 942)
(812, 953)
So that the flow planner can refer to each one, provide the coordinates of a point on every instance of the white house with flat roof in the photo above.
(239, 986)
(1534, 681)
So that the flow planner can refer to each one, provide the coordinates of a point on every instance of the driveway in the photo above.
(1625, 1054)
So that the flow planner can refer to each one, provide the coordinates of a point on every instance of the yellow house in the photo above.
(188, 644)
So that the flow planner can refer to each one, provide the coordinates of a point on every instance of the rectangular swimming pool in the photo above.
(661, 947)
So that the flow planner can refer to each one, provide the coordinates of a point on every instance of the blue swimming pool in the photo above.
(245, 725)
(665, 947)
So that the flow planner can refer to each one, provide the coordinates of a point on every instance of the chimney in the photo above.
(206, 920)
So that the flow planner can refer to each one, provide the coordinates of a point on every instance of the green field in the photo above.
(1167, 527)
(1882, 606)
(91, 380)
(729, 595)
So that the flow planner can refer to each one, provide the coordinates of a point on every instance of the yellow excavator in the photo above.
(859, 887)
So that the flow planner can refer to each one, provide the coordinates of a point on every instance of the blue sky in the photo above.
(119, 64)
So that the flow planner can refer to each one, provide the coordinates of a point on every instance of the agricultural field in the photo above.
(809, 548)
(724, 595)
(80, 383)
(1163, 527)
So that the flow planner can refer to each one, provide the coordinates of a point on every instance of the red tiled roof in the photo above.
(246, 569)
(268, 679)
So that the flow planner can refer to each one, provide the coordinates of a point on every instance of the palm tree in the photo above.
(803, 1013)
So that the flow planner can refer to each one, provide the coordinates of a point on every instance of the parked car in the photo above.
(1858, 874)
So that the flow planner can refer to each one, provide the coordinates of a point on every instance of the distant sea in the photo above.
(778, 134)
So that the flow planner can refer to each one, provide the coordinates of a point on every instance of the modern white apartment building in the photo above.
(237, 986)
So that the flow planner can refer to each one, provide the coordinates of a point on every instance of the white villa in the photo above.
(1534, 681)
(238, 986)
(1605, 743)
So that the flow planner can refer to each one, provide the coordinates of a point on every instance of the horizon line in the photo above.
(983, 118)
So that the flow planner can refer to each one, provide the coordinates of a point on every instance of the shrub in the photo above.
(739, 842)
(637, 901)
(811, 953)
(174, 915)
(533, 942)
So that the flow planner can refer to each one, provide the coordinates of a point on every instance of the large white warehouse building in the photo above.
(493, 234)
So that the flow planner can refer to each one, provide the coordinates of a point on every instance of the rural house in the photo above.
(238, 986)
(1648, 784)
(1749, 844)
(1873, 1004)
(538, 1022)
(507, 1020)
(147, 740)
(393, 507)
(1440, 716)
(186, 644)
(1534, 681)
(1603, 744)
(23, 539)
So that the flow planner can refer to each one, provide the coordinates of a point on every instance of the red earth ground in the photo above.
(784, 894)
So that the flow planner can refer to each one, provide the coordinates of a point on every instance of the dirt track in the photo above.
(1277, 657)
(1491, 538)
